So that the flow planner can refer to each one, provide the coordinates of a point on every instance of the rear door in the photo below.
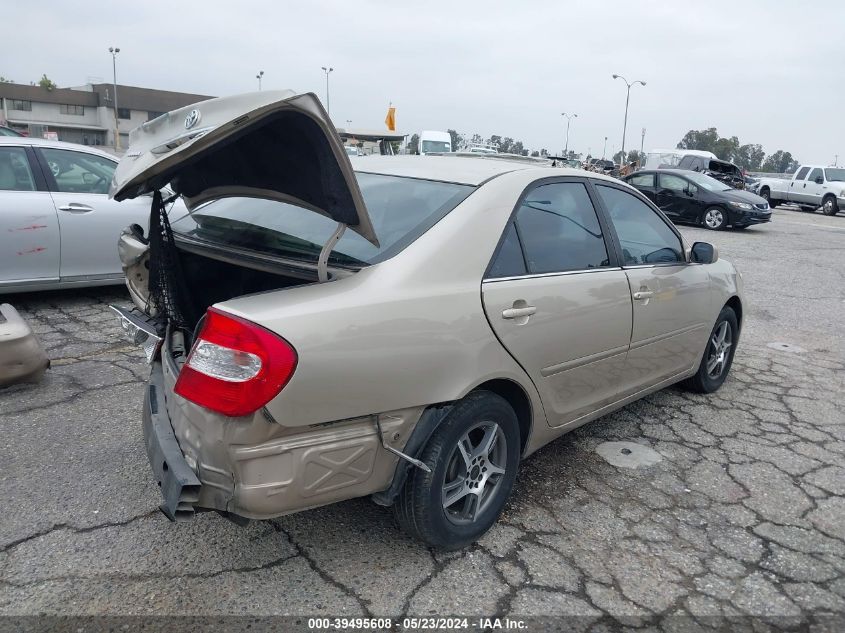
(29, 228)
(797, 185)
(558, 301)
(644, 183)
(671, 297)
(90, 222)
(677, 198)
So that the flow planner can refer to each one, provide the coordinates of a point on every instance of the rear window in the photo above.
(401, 209)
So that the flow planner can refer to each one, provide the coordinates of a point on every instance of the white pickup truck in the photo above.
(811, 187)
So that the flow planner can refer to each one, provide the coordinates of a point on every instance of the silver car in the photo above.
(58, 227)
(408, 328)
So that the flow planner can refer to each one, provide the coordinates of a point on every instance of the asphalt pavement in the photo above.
(742, 514)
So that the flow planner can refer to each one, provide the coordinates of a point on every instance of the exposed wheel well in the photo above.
(518, 399)
(735, 304)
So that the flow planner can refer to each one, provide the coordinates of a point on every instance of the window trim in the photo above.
(617, 244)
(609, 244)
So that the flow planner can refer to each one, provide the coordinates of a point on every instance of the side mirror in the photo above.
(819, 180)
(703, 253)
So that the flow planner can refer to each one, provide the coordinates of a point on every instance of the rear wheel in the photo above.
(829, 206)
(715, 219)
(718, 355)
(473, 456)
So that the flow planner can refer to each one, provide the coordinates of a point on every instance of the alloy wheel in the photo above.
(829, 206)
(474, 472)
(713, 218)
(720, 345)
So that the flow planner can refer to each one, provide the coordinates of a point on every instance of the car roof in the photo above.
(468, 169)
(40, 142)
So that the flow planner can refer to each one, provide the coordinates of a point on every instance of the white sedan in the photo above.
(58, 227)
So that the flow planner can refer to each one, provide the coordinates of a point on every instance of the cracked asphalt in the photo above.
(744, 514)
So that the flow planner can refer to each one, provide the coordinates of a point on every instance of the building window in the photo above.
(123, 113)
(78, 110)
(18, 104)
(153, 115)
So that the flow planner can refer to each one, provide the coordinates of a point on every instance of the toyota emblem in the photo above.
(192, 119)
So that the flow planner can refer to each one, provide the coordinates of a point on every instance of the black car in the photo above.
(687, 196)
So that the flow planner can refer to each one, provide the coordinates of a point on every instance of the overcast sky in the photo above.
(767, 71)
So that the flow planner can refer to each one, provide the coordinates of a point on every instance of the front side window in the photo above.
(673, 183)
(79, 172)
(643, 235)
(400, 209)
(816, 173)
(15, 174)
(559, 229)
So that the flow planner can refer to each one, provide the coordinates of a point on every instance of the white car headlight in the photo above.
(741, 205)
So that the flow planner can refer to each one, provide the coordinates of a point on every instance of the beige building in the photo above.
(85, 114)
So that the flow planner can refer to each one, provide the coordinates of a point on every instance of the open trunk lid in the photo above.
(277, 145)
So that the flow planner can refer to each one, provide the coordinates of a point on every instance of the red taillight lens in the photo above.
(235, 366)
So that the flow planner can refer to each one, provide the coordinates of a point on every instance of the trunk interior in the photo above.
(210, 280)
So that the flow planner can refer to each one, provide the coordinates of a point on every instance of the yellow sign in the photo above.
(390, 119)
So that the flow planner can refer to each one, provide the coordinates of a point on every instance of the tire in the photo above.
(829, 206)
(766, 194)
(420, 509)
(707, 379)
(715, 218)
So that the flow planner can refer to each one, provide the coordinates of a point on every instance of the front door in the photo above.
(671, 297)
(677, 198)
(559, 303)
(812, 190)
(29, 228)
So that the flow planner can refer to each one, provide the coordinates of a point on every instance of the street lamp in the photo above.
(328, 103)
(604, 151)
(114, 51)
(627, 98)
(569, 118)
(258, 77)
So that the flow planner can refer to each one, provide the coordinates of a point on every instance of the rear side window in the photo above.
(643, 235)
(401, 209)
(802, 173)
(642, 180)
(558, 230)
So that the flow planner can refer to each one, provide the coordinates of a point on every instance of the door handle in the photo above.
(643, 294)
(516, 313)
(76, 207)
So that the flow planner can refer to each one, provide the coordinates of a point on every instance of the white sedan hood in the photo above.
(277, 145)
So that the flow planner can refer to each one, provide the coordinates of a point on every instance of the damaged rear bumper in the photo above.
(179, 485)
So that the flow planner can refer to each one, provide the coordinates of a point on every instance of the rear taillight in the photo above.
(235, 366)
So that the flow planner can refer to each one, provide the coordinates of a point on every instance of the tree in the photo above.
(700, 139)
(6, 80)
(496, 141)
(634, 156)
(750, 157)
(535, 154)
(780, 162)
(47, 83)
(414, 144)
(618, 156)
(457, 140)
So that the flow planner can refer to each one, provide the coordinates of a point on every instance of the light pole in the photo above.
(604, 151)
(258, 77)
(642, 142)
(569, 118)
(627, 98)
(114, 51)
(328, 103)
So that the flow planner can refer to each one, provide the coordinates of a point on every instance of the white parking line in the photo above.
(820, 226)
